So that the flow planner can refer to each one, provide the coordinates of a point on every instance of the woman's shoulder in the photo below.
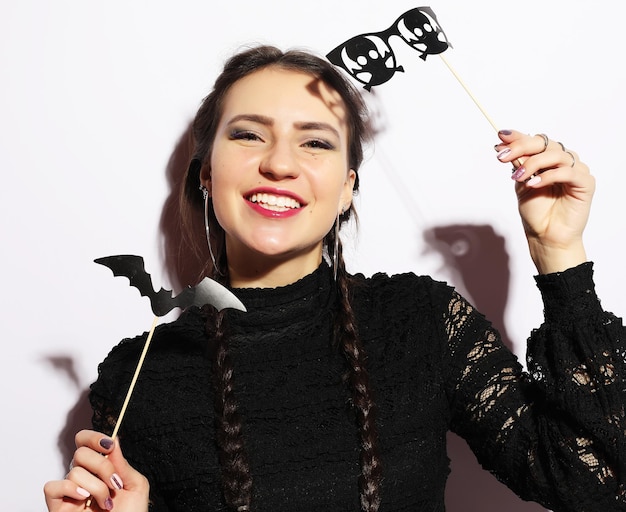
(408, 292)
(179, 335)
(174, 345)
(408, 283)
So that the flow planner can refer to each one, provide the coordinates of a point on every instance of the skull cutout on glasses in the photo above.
(369, 58)
(421, 31)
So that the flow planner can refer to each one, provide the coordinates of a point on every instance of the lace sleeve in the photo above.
(555, 435)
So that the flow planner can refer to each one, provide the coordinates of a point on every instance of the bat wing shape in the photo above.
(207, 291)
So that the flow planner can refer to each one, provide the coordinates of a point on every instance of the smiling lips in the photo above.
(274, 204)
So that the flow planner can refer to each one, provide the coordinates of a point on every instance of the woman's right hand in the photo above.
(99, 475)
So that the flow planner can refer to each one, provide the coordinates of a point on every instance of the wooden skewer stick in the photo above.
(134, 379)
(131, 388)
(517, 162)
(480, 107)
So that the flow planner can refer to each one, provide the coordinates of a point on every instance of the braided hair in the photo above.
(236, 473)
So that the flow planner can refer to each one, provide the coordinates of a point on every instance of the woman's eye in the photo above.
(243, 135)
(318, 143)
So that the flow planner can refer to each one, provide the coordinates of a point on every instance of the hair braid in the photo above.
(347, 337)
(236, 477)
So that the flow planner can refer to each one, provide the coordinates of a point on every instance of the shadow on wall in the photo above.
(478, 255)
(78, 417)
(181, 262)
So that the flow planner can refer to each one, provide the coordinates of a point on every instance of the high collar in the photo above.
(312, 294)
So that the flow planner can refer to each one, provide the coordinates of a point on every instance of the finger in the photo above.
(133, 479)
(577, 177)
(572, 155)
(538, 141)
(530, 167)
(116, 457)
(93, 463)
(519, 146)
(554, 159)
(518, 141)
(90, 487)
(91, 446)
(95, 440)
(514, 146)
(508, 136)
(62, 489)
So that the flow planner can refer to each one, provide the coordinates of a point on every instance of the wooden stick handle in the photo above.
(516, 163)
(480, 107)
(135, 377)
(129, 393)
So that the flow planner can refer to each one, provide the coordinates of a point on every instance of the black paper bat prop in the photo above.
(206, 291)
(369, 58)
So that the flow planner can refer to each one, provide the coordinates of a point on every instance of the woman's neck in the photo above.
(262, 271)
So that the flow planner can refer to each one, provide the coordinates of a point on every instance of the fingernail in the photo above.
(503, 153)
(517, 173)
(533, 181)
(108, 504)
(106, 443)
(83, 492)
(505, 132)
(117, 481)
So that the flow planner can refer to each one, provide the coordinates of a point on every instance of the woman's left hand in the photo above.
(554, 191)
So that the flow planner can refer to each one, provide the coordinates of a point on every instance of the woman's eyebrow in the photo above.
(255, 118)
(315, 125)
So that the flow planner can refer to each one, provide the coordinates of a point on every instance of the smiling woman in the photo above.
(335, 391)
(278, 175)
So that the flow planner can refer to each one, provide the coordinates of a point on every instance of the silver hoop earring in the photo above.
(336, 251)
(205, 195)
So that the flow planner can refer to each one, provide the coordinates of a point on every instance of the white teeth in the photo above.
(273, 202)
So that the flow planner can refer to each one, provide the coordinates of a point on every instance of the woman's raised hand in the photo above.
(99, 479)
(554, 191)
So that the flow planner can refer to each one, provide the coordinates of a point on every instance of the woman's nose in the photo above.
(279, 162)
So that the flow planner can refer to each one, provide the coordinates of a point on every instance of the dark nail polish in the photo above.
(106, 443)
(505, 132)
(517, 173)
(108, 504)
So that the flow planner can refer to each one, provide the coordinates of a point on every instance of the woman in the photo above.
(335, 392)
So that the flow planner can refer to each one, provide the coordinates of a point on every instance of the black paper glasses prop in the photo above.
(369, 59)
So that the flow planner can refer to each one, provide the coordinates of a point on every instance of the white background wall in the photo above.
(95, 95)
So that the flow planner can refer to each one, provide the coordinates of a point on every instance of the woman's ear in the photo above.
(205, 178)
(348, 191)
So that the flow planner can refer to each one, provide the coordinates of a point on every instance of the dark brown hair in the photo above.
(236, 475)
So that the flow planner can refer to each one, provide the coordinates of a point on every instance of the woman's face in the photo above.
(279, 171)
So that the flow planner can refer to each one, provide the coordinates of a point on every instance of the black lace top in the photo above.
(555, 435)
